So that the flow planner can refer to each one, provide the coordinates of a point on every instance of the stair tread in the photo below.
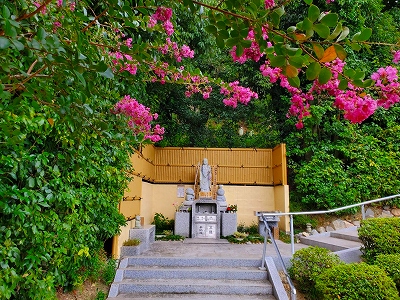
(193, 296)
(197, 282)
(332, 240)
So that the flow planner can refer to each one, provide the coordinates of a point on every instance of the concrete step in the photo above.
(199, 286)
(157, 272)
(193, 297)
(334, 240)
(141, 277)
(189, 262)
(350, 235)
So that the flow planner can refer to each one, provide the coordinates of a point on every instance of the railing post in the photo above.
(292, 233)
(264, 250)
(363, 211)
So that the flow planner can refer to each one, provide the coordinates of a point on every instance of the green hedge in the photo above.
(355, 282)
(391, 264)
(308, 263)
(379, 236)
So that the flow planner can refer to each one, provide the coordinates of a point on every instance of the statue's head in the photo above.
(205, 161)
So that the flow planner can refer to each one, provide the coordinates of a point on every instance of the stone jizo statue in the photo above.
(205, 176)
(137, 222)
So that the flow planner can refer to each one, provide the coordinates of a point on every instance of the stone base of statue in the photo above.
(205, 195)
(182, 223)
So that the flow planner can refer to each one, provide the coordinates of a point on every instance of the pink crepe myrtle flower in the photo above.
(269, 4)
(396, 57)
(139, 118)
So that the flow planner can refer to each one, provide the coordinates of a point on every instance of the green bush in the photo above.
(354, 282)
(131, 242)
(379, 236)
(391, 264)
(162, 223)
(308, 263)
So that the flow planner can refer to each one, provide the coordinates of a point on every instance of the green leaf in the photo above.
(307, 24)
(18, 44)
(295, 82)
(336, 32)
(341, 53)
(277, 61)
(313, 13)
(4, 42)
(10, 30)
(363, 35)
(313, 71)
(344, 34)
(220, 41)
(211, 29)
(223, 34)
(6, 12)
(232, 42)
(368, 83)
(330, 20)
(355, 46)
(324, 76)
(322, 30)
(80, 77)
(296, 61)
(275, 19)
(31, 182)
(343, 84)
(308, 1)
(358, 83)
(280, 10)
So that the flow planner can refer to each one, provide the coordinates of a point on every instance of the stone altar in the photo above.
(205, 217)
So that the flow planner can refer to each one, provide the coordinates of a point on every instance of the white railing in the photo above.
(268, 217)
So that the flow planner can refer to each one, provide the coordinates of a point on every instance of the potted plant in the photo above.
(130, 247)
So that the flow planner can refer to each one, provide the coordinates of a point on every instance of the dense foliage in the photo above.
(390, 263)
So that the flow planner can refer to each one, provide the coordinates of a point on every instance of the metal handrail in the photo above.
(265, 215)
(291, 214)
(267, 228)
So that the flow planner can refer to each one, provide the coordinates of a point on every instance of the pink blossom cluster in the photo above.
(194, 83)
(43, 10)
(179, 53)
(235, 93)
(72, 4)
(162, 14)
(140, 118)
(253, 52)
(269, 4)
(386, 80)
(124, 62)
(396, 57)
(356, 104)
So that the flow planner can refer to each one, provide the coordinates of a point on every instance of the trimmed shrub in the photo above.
(354, 282)
(379, 236)
(391, 264)
(308, 263)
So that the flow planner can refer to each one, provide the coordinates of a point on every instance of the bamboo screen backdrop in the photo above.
(234, 166)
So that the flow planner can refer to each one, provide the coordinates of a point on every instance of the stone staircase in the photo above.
(344, 242)
(196, 278)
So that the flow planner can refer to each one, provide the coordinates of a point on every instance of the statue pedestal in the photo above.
(205, 195)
